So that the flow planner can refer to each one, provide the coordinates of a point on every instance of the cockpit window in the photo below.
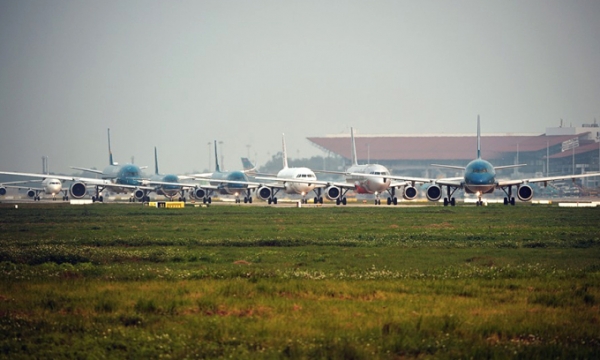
(480, 170)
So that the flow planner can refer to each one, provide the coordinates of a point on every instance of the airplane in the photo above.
(292, 180)
(223, 182)
(118, 178)
(370, 179)
(480, 178)
(49, 185)
(168, 185)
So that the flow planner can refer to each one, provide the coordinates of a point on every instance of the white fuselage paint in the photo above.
(298, 173)
(52, 186)
(365, 184)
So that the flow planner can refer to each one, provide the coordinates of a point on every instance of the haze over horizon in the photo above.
(178, 75)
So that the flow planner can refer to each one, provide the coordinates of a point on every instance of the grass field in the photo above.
(126, 281)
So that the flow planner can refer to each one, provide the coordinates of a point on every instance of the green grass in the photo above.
(266, 282)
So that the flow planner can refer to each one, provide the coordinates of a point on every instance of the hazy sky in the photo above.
(178, 74)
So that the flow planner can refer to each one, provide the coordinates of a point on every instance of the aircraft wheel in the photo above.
(512, 201)
(453, 201)
(320, 200)
(315, 200)
(505, 200)
(270, 201)
(395, 200)
(344, 200)
(389, 201)
(101, 199)
(245, 200)
(210, 200)
(274, 201)
(250, 199)
(445, 201)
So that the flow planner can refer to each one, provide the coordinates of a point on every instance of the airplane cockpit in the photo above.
(304, 176)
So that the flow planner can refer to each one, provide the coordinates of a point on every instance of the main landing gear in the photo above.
(319, 198)
(450, 200)
(508, 199)
(392, 199)
(248, 197)
(98, 197)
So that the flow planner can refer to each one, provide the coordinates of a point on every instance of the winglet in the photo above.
(285, 162)
(155, 162)
(217, 168)
(478, 139)
(354, 160)
(110, 157)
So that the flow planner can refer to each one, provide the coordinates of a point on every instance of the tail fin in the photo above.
(285, 162)
(478, 139)
(217, 168)
(354, 160)
(247, 165)
(155, 162)
(110, 158)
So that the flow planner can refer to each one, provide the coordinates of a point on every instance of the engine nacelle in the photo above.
(2, 191)
(77, 190)
(434, 193)
(333, 192)
(410, 193)
(31, 193)
(264, 192)
(139, 194)
(198, 193)
(525, 192)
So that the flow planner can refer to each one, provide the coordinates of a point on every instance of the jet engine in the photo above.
(198, 193)
(434, 193)
(333, 192)
(410, 193)
(525, 192)
(77, 190)
(139, 194)
(2, 191)
(31, 193)
(263, 192)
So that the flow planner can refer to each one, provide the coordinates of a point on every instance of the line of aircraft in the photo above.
(479, 178)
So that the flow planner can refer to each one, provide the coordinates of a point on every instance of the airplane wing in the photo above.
(318, 183)
(453, 182)
(23, 187)
(508, 166)
(95, 171)
(183, 185)
(503, 183)
(86, 181)
(449, 166)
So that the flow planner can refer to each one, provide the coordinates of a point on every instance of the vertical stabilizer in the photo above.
(354, 160)
(478, 139)
(110, 158)
(155, 162)
(285, 163)
(217, 168)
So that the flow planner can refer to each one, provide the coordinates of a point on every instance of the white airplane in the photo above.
(49, 186)
(292, 180)
(480, 178)
(370, 179)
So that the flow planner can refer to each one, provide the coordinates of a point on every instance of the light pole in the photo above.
(368, 153)
(209, 155)
(222, 166)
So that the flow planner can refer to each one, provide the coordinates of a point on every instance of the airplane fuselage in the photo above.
(127, 174)
(480, 177)
(167, 190)
(365, 184)
(298, 173)
(52, 186)
(230, 188)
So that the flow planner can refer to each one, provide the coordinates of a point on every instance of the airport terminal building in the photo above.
(558, 151)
